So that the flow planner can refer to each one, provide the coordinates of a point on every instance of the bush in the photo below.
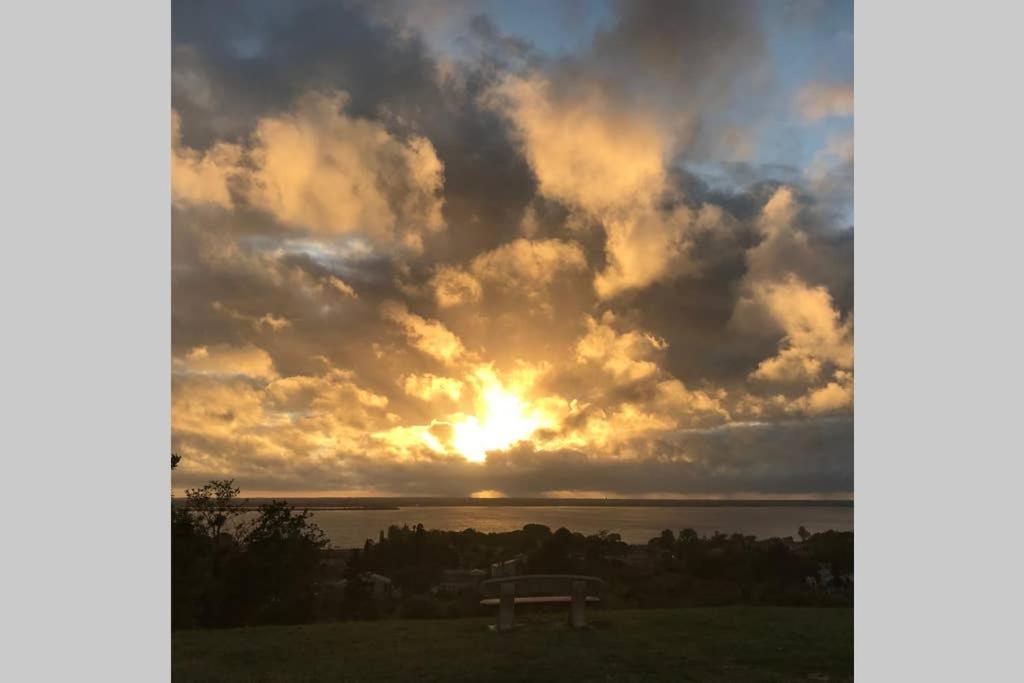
(420, 607)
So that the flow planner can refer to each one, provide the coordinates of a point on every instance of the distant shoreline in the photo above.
(387, 503)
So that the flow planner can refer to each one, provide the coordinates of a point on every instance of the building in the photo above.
(638, 557)
(381, 585)
(513, 567)
(460, 580)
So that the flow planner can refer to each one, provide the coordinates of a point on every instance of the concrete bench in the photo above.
(539, 589)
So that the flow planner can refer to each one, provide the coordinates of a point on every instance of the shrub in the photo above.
(420, 607)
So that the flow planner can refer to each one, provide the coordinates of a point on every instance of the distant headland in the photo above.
(396, 503)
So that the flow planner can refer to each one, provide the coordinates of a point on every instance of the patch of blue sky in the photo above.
(808, 42)
(554, 28)
(340, 255)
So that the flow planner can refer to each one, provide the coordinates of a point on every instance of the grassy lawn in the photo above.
(695, 644)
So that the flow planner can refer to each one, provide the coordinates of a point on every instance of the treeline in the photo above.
(682, 569)
(232, 566)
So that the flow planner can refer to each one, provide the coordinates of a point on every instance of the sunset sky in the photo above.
(513, 248)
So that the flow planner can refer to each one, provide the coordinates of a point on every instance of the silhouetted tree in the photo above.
(214, 504)
(282, 564)
(667, 539)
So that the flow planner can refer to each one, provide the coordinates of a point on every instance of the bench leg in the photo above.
(507, 607)
(577, 614)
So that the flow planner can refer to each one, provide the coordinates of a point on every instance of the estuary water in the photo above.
(351, 528)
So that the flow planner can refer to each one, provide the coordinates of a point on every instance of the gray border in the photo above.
(85, 294)
(938, 253)
(86, 347)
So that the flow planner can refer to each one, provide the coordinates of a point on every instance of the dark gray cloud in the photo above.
(797, 457)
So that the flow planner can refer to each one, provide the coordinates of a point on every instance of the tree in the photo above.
(215, 504)
(803, 533)
(278, 523)
(281, 568)
(688, 535)
(175, 459)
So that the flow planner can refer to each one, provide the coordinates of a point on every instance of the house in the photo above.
(460, 580)
(827, 582)
(381, 585)
(513, 567)
(638, 557)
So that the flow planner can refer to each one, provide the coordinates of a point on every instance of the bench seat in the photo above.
(538, 600)
(540, 589)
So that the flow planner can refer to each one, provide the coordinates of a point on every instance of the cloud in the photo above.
(608, 160)
(624, 356)
(824, 100)
(646, 247)
(528, 264)
(226, 424)
(267, 321)
(453, 287)
(227, 361)
(342, 287)
(608, 163)
(211, 409)
(317, 168)
(567, 263)
(830, 174)
(522, 267)
(795, 458)
(809, 367)
(835, 396)
(201, 177)
(428, 336)
(814, 333)
(327, 393)
(428, 387)
(584, 150)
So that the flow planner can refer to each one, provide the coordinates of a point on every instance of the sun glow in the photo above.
(505, 420)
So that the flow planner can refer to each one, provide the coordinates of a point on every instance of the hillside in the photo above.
(698, 644)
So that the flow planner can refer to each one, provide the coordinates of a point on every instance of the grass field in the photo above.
(696, 644)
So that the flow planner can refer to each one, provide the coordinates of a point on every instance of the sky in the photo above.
(513, 248)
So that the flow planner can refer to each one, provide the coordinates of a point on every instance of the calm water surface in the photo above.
(351, 528)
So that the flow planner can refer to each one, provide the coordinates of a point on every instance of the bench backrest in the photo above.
(541, 584)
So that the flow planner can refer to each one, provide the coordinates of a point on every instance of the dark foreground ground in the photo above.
(695, 644)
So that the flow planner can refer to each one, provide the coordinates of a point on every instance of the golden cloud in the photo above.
(273, 420)
(592, 155)
(269, 321)
(814, 332)
(528, 264)
(342, 287)
(225, 360)
(428, 336)
(454, 287)
(315, 168)
(319, 169)
(647, 246)
(624, 356)
(327, 393)
(201, 177)
(428, 387)
(584, 150)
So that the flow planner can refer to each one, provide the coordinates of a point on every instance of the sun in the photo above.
(505, 419)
